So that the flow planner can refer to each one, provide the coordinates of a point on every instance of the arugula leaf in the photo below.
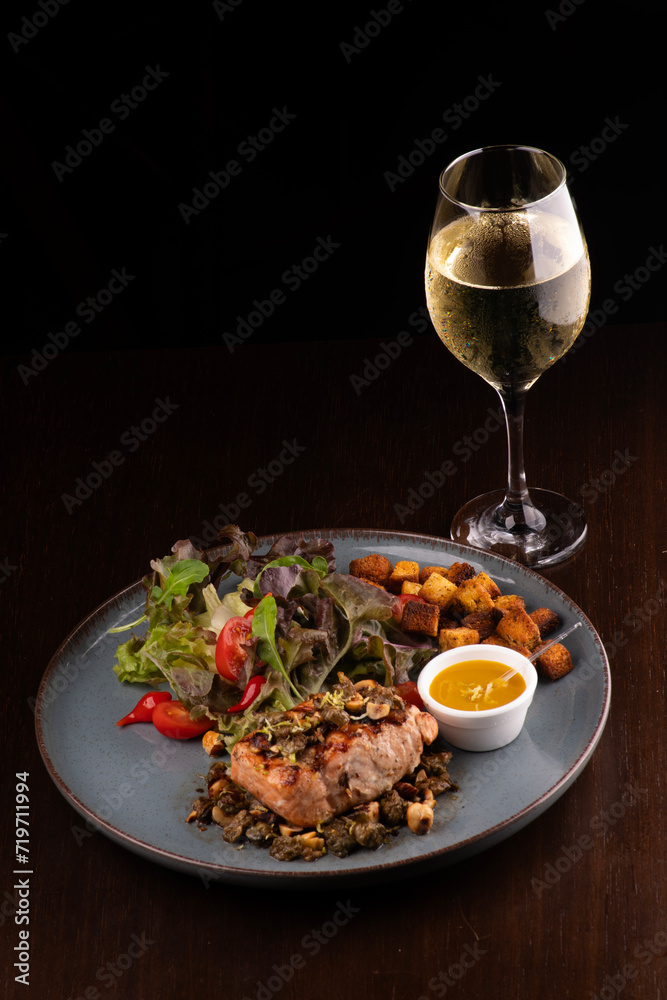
(264, 629)
(178, 579)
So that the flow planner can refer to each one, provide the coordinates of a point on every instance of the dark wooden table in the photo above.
(102, 921)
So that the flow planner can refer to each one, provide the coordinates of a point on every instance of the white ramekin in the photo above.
(490, 728)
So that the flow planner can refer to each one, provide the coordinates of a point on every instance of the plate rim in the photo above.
(312, 878)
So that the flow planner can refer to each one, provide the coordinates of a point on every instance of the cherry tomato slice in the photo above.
(143, 710)
(401, 601)
(172, 719)
(409, 692)
(230, 655)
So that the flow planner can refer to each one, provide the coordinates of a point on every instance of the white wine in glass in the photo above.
(508, 287)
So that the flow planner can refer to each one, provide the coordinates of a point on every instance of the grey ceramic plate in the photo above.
(136, 786)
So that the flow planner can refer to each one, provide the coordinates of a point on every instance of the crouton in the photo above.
(519, 629)
(483, 621)
(446, 621)
(507, 602)
(420, 617)
(488, 584)
(438, 590)
(403, 570)
(426, 571)
(495, 640)
(546, 620)
(451, 638)
(458, 572)
(555, 663)
(407, 587)
(374, 568)
(472, 596)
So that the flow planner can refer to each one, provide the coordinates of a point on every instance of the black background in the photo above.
(557, 75)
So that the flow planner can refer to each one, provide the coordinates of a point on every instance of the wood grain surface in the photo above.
(539, 915)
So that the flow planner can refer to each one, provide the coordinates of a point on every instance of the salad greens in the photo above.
(309, 622)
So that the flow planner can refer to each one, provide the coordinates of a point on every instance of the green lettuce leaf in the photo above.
(133, 667)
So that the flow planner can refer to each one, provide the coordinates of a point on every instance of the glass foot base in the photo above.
(558, 528)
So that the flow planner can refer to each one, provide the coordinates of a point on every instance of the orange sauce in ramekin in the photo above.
(475, 686)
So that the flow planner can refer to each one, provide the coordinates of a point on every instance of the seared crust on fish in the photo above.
(319, 760)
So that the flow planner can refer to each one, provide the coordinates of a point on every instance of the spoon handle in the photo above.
(552, 642)
(538, 652)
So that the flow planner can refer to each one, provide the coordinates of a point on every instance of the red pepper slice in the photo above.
(143, 710)
(251, 691)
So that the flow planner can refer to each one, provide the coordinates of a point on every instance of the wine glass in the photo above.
(508, 287)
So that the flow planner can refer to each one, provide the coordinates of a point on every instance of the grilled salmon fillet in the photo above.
(325, 768)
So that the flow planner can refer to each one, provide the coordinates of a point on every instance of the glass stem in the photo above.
(517, 511)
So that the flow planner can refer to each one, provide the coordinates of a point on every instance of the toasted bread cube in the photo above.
(546, 620)
(519, 629)
(451, 638)
(374, 568)
(446, 621)
(472, 596)
(507, 602)
(407, 587)
(403, 570)
(426, 571)
(458, 572)
(555, 663)
(495, 640)
(483, 621)
(420, 617)
(438, 590)
(488, 583)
